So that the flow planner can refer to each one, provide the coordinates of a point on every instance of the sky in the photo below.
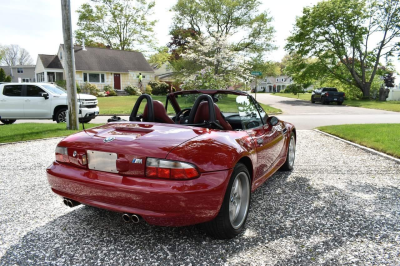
(36, 24)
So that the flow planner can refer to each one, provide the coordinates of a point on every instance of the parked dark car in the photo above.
(327, 95)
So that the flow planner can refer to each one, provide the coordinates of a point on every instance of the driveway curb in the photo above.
(360, 146)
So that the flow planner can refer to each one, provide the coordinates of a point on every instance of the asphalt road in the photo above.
(307, 115)
(340, 206)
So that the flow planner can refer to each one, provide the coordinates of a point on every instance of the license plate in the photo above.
(102, 161)
(335, 99)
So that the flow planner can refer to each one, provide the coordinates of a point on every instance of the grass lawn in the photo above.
(381, 137)
(30, 131)
(122, 105)
(388, 106)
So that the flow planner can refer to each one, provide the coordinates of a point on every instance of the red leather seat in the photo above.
(202, 114)
(160, 114)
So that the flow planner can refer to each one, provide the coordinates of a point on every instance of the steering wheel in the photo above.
(181, 113)
(150, 109)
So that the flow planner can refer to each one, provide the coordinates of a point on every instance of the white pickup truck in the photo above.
(41, 101)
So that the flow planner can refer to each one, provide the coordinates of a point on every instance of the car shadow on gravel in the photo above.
(291, 221)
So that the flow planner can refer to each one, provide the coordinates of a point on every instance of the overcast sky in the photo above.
(36, 25)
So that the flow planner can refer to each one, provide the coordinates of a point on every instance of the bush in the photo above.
(149, 89)
(78, 88)
(7, 79)
(108, 88)
(133, 90)
(90, 89)
(109, 91)
(62, 84)
(101, 94)
(159, 88)
(293, 88)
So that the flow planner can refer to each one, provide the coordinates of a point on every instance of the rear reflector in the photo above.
(170, 169)
(62, 154)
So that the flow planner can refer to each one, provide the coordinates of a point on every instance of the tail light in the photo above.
(170, 169)
(327, 94)
(344, 94)
(62, 154)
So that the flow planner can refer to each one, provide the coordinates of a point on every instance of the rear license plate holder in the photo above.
(102, 161)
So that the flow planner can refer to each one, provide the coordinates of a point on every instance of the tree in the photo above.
(267, 68)
(15, 55)
(213, 64)
(2, 75)
(179, 41)
(239, 19)
(389, 80)
(339, 33)
(162, 56)
(7, 79)
(121, 24)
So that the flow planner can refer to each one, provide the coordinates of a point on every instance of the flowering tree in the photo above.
(213, 64)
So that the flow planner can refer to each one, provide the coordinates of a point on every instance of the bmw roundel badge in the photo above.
(108, 139)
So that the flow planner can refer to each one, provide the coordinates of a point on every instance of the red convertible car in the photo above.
(195, 160)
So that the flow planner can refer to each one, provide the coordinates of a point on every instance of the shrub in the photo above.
(90, 88)
(108, 88)
(109, 91)
(133, 90)
(159, 88)
(62, 84)
(7, 79)
(148, 89)
(78, 88)
(101, 94)
(2, 75)
(294, 88)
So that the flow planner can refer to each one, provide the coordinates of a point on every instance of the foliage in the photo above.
(161, 57)
(339, 33)
(2, 75)
(7, 79)
(121, 24)
(109, 91)
(13, 55)
(294, 88)
(179, 41)
(389, 80)
(133, 90)
(159, 88)
(240, 19)
(90, 89)
(213, 64)
(62, 84)
(267, 68)
(148, 89)
(78, 88)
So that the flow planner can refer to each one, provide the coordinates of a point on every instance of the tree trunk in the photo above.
(366, 90)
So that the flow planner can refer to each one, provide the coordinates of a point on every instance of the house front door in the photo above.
(117, 81)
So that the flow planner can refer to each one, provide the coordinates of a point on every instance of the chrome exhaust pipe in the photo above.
(135, 218)
(126, 217)
(70, 203)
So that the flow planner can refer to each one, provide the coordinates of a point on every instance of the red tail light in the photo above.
(327, 94)
(170, 169)
(62, 154)
(344, 94)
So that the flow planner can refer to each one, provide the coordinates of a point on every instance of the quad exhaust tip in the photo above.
(70, 203)
(130, 218)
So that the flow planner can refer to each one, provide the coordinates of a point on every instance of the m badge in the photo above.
(139, 161)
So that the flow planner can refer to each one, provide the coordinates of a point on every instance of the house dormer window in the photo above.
(20, 70)
(60, 55)
(277, 80)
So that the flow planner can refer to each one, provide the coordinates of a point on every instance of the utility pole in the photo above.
(72, 112)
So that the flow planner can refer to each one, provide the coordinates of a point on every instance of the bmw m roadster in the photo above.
(194, 160)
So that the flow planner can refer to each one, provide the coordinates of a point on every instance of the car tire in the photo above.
(339, 103)
(232, 216)
(8, 121)
(312, 100)
(61, 115)
(291, 154)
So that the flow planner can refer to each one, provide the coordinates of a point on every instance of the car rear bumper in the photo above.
(158, 202)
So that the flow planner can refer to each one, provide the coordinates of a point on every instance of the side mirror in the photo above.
(272, 121)
(45, 95)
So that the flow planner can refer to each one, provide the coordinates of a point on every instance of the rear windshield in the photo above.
(329, 89)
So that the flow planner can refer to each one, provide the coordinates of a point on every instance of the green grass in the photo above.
(371, 104)
(381, 137)
(31, 131)
(122, 105)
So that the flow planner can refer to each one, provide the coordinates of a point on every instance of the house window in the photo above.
(283, 80)
(93, 77)
(277, 80)
(60, 55)
(25, 80)
(20, 70)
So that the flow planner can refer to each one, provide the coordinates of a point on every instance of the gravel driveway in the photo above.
(340, 206)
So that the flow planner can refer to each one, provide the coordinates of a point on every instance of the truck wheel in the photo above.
(232, 216)
(61, 115)
(8, 121)
(312, 99)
